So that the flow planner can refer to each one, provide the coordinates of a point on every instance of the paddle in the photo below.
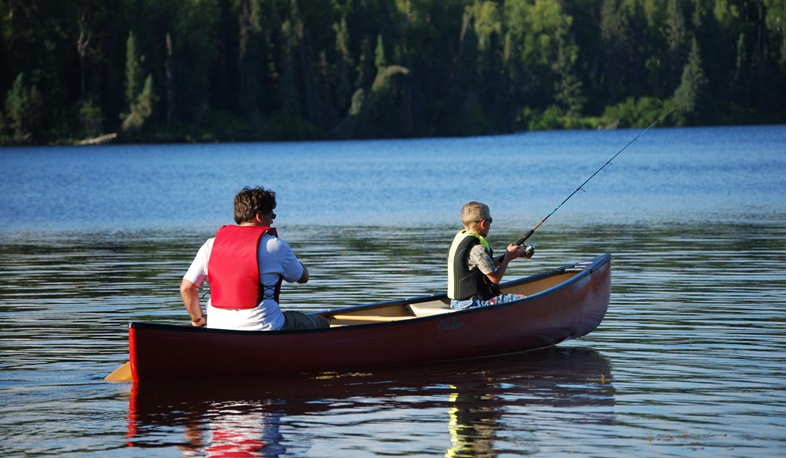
(121, 374)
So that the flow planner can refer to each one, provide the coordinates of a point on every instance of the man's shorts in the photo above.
(298, 321)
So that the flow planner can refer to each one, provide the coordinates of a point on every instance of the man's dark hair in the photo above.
(251, 201)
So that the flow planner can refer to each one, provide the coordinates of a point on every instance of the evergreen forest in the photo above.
(76, 71)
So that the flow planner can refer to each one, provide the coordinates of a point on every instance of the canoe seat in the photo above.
(429, 308)
(370, 318)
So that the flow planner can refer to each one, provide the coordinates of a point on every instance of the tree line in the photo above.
(214, 70)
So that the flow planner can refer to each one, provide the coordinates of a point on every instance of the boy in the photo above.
(473, 273)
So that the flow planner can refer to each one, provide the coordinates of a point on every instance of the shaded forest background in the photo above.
(205, 70)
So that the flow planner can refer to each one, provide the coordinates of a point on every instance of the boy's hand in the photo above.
(514, 251)
(521, 251)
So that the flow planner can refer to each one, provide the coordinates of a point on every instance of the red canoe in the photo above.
(565, 303)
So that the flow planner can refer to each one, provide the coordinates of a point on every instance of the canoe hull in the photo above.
(570, 309)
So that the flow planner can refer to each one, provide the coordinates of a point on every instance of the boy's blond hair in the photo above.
(472, 213)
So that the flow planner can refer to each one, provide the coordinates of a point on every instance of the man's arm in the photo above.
(190, 295)
(303, 278)
(292, 269)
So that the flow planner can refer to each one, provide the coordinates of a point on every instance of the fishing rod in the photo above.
(532, 231)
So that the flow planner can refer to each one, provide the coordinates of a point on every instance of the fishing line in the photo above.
(532, 231)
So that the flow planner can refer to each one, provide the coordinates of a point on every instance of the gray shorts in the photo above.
(299, 321)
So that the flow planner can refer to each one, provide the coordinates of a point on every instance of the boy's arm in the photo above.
(512, 252)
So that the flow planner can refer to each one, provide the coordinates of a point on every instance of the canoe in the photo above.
(562, 304)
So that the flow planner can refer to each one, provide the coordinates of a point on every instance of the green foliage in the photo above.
(24, 109)
(140, 110)
(196, 50)
(344, 67)
(636, 113)
(487, 19)
(133, 70)
(691, 96)
(139, 95)
(568, 91)
(555, 118)
(91, 119)
(377, 112)
(379, 60)
(782, 60)
(358, 69)
(472, 118)
(291, 128)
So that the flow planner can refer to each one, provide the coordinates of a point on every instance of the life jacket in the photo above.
(464, 283)
(233, 268)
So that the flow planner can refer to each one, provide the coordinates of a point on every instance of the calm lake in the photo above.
(689, 361)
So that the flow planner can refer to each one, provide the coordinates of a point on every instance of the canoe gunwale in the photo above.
(583, 269)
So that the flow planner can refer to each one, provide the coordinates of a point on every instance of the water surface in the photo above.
(688, 361)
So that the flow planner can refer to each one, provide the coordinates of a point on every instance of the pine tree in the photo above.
(82, 44)
(288, 88)
(91, 119)
(133, 70)
(567, 87)
(741, 77)
(365, 70)
(379, 55)
(169, 74)
(691, 95)
(197, 56)
(140, 101)
(676, 42)
(141, 109)
(24, 108)
(249, 61)
(344, 67)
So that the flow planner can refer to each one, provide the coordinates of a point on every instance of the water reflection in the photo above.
(474, 419)
(475, 402)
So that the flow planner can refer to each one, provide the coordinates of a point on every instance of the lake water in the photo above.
(689, 361)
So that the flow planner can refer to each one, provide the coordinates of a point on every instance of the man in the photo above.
(473, 273)
(245, 265)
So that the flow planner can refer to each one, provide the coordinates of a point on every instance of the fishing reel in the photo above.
(529, 250)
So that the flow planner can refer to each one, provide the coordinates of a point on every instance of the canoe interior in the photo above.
(434, 305)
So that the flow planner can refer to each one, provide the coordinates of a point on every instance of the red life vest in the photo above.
(233, 267)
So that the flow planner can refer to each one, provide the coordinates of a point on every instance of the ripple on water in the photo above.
(689, 358)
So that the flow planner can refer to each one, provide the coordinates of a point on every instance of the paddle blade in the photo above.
(121, 374)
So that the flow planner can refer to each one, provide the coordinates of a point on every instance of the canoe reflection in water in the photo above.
(475, 398)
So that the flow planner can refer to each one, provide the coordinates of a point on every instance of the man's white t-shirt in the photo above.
(276, 259)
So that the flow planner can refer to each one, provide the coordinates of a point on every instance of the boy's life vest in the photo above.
(233, 267)
(464, 283)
